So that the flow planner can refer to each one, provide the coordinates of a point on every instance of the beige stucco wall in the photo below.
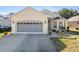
(73, 25)
(73, 22)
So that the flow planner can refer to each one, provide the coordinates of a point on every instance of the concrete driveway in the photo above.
(26, 43)
(9, 43)
(36, 43)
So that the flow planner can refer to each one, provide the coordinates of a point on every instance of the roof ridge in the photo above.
(26, 9)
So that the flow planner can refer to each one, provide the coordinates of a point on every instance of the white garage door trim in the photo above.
(44, 28)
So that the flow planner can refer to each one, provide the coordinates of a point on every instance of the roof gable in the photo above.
(28, 13)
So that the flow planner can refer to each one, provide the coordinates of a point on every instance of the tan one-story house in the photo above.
(73, 22)
(31, 21)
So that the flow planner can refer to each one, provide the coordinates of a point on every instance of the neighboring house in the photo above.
(29, 21)
(5, 22)
(1, 22)
(56, 22)
(73, 22)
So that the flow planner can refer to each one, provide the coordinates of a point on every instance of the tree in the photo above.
(67, 13)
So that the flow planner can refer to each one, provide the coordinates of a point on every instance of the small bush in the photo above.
(77, 28)
(49, 33)
(5, 29)
(6, 33)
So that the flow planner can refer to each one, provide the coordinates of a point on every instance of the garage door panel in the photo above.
(29, 27)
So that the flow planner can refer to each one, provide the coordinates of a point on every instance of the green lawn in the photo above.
(3, 34)
(67, 45)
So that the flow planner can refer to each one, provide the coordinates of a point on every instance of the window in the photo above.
(40, 23)
(30, 23)
(24, 23)
(18, 23)
(34, 23)
(37, 23)
(27, 23)
(55, 26)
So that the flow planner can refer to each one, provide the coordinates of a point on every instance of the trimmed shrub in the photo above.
(5, 29)
(6, 33)
(77, 28)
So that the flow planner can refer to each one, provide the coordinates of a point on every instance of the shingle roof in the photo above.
(50, 13)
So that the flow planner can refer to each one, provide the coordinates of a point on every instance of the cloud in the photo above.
(3, 13)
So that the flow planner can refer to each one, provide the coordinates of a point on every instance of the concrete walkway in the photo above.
(54, 34)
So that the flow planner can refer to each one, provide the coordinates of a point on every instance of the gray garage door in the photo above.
(29, 27)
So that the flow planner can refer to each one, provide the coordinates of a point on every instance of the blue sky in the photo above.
(8, 9)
